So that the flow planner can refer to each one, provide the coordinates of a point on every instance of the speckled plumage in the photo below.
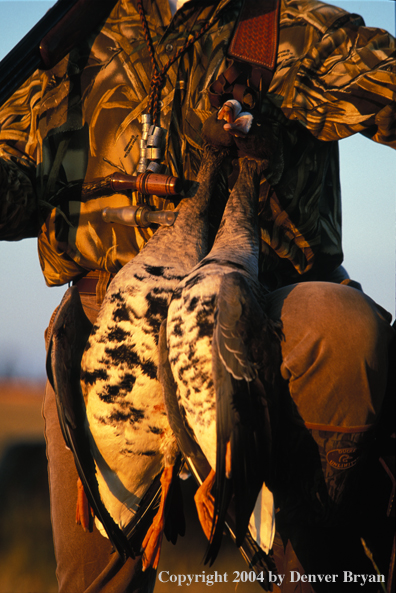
(130, 434)
(219, 342)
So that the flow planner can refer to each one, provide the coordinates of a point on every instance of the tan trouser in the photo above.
(335, 359)
(335, 352)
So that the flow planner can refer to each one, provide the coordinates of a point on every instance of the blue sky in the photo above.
(368, 174)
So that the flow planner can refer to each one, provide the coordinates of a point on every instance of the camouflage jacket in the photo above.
(82, 121)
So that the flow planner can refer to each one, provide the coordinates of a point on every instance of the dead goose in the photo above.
(131, 440)
(221, 352)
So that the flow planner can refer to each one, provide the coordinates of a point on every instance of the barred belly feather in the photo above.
(190, 331)
(124, 402)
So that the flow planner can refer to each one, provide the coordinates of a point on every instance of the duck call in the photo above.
(146, 183)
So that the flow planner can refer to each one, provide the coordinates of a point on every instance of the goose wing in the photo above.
(242, 414)
(70, 332)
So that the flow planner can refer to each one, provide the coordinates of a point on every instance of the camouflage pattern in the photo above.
(82, 121)
(340, 451)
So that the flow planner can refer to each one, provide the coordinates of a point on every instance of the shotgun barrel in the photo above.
(65, 25)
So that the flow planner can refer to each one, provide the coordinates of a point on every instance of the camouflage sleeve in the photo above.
(339, 76)
(19, 212)
(18, 206)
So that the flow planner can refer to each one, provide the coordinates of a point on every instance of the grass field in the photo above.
(27, 563)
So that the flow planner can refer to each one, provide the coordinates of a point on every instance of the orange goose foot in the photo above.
(204, 502)
(152, 542)
(84, 513)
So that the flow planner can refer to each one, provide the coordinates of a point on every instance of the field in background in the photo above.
(27, 563)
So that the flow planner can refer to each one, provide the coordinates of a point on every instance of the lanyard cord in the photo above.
(158, 75)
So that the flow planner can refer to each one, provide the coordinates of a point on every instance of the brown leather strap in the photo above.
(256, 36)
(87, 284)
(94, 283)
(253, 51)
